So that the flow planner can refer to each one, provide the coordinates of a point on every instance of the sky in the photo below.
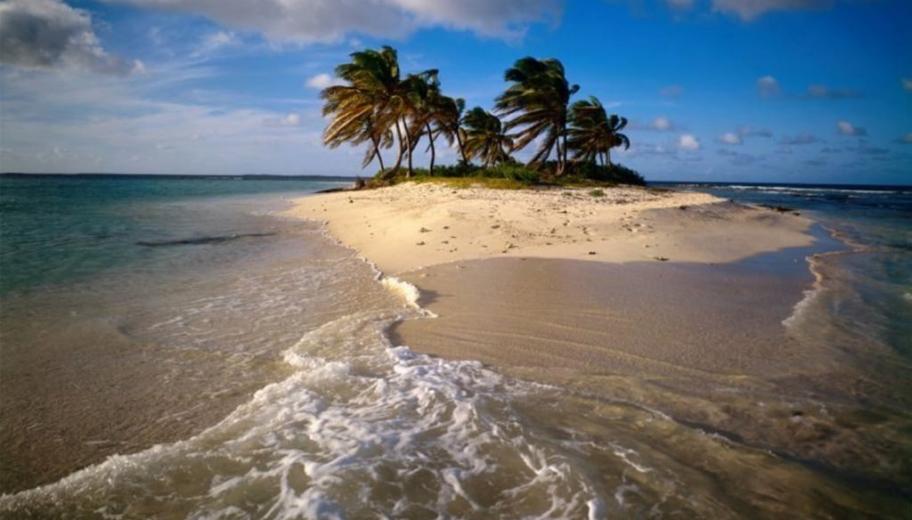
(715, 90)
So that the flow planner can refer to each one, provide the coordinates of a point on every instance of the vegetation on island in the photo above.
(378, 107)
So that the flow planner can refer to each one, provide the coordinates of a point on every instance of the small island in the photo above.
(376, 106)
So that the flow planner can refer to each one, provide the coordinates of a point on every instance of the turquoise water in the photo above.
(58, 228)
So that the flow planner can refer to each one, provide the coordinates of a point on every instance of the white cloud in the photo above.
(768, 86)
(119, 124)
(321, 81)
(730, 138)
(661, 124)
(290, 119)
(688, 142)
(331, 20)
(749, 10)
(906, 139)
(217, 40)
(49, 33)
(847, 128)
(907, 84)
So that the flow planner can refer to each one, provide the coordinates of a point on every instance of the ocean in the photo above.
(177, 348)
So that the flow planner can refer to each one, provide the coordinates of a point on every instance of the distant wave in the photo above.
(201, 240)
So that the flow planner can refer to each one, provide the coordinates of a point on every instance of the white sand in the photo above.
(409, 226)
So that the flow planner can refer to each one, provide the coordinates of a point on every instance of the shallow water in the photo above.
(262, 366)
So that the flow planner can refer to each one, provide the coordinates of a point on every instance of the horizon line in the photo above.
(281, 176)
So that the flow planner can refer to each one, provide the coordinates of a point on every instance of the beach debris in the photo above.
(682, 207)
(592, 252)
(446, 227)
(495, 226)
(424, 230)
(661, 258)
(419, 243)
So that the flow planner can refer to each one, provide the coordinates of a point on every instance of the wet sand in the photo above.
(673, 301)
(704, 344)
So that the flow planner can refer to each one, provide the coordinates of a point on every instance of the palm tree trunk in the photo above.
(433, 151)
(565, 148)
(461, 146)
(608, 156)
(401, 151)
(408, 148)
(377, 153)
(560, 159)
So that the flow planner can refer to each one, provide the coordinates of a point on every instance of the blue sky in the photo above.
(721, 90)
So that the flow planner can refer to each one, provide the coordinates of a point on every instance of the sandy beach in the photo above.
(410, 226)
(672, 300)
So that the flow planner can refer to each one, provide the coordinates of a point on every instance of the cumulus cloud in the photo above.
(730, 138)
(847, 128)
(331, 20)
(768, 86)
(907, 84)
(661, 124)
(800, 139)
(749, 10)
(49, 33)
(688, 142)
(906, 139)
(824, 92)
(291, 119)
(321, 81)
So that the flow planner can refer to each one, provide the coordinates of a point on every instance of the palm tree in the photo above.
(449, 123)
(424, 106)
(537, 101)
(379, 100)
(592, 133)
(486, 137)
(354, 121)
(615, 125)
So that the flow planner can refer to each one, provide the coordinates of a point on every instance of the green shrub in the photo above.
(516, 172)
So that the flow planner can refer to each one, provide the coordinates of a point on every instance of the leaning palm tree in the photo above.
(449, 123)
(592, 133)
(615, 125)
(537, 102)
(486, 137)
(423, 108)
(354, 121)
(374, 96)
